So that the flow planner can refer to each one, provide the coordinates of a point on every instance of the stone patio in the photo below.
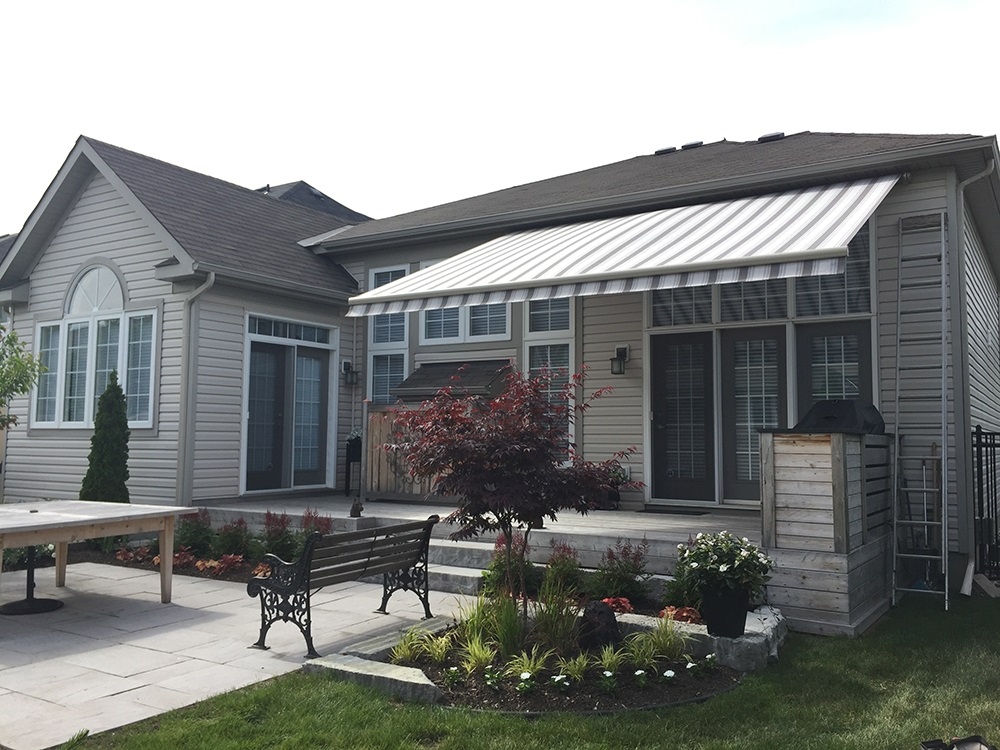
(113, 654)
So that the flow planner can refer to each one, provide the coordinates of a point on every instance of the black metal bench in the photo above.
(398, 552)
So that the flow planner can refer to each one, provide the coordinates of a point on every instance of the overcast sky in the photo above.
(390, 107)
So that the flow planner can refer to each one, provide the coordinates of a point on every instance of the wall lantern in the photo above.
(350, 374)
(618, 361)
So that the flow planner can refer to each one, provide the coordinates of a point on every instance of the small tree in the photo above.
(108, 469)
(506, 459)
(18, 372)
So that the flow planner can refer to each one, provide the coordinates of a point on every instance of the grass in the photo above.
(921, 673)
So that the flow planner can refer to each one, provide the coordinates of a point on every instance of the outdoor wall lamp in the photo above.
(618, 361)
(350, 374)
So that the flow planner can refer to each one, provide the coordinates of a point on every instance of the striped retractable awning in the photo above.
(796, 233)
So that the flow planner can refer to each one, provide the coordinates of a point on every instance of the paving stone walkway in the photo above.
(114, 654)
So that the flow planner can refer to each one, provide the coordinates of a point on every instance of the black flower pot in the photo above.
(724, 611)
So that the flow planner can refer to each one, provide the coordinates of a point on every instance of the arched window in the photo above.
(96, 337)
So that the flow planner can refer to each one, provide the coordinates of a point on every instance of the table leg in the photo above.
(62, 554)
(166, 558)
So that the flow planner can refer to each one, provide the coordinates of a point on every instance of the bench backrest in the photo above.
(337, 558)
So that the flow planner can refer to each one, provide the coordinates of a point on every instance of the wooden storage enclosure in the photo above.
(826, 514)
(386, 475)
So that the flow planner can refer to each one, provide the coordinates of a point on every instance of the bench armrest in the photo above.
(286, 577)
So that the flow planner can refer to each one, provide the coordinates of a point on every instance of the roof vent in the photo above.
(770, 137)
(691, 145)
(667, 150)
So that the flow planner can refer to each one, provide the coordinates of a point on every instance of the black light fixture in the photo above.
(618, 361)
(350, 374)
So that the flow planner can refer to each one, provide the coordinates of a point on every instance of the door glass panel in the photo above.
(265, 417)
(683, 464)
(756, 401)
(309, 430)
(754, 397)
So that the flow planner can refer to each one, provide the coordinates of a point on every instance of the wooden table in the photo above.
(60, 522)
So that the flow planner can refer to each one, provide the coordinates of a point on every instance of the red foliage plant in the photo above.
(619, 604)
(275, 525)
(682, 614)
(506, 459)
(313, 521)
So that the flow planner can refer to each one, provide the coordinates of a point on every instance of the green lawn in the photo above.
(920, 673)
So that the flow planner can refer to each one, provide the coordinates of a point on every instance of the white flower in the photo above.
(699, 536)
(669, 674)
(559, 678)
(525, 675)
(710, 658)
(746, 541)
(723, 568)
(694, 565)
(691, 665)
(453, 669)
(608, 674)
(640, 672)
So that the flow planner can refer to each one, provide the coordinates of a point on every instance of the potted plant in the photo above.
(354, 445)
(728, 572)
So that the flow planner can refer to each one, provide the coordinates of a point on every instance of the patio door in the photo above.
(753, 398)
(266, 413)
(287, 416)
(683, 466)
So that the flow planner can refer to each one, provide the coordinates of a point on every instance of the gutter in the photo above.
(884, 162)
(189, 379)
(969, 520)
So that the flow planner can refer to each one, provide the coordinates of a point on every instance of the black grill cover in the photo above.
(848, 415)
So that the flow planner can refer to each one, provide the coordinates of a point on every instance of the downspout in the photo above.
(970, 566)
(189, 376)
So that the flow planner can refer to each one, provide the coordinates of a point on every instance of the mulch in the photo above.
(687, 686)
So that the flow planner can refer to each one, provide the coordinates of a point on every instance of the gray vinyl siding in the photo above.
(614, 422)
(51, 463)
(221, 354)
(983, 326)
(918, 303)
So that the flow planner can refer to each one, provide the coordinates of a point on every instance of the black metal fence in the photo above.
(986, 450)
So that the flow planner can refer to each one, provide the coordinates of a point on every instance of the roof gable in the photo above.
(303, 194)
(208, 224)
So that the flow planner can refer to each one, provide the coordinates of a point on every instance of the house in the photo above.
(226, 334)
(722, 290)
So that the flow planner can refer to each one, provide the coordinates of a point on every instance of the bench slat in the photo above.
(374, 546)
(350, 536)
(412, 548)
(329, 576)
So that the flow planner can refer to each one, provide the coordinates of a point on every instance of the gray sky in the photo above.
(393, 106)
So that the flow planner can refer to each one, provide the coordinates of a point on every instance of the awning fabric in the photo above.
(795, 233)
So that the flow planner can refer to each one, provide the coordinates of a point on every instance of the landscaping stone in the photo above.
(765, 633)
(378, 648)
(403, 682)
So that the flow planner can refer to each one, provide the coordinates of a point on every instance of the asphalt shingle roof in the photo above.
(227, 227)
(674, 170)
(304, 194)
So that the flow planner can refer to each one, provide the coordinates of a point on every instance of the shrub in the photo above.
(435, 647)
(278, 538)
(682, 590)
(723, 560)
(107, 464)
(15, 558)
(409, 647)
(622, 572)
(505, 627)
(532, 662)
(574, 667)
(514, 576)
(235, 538)
(195, 533)
(563, 568)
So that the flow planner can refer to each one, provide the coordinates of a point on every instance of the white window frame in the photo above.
(332, 345)
(371, 373)
(464, 335)
(552, 337)
(124, 317)
(388, 346)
